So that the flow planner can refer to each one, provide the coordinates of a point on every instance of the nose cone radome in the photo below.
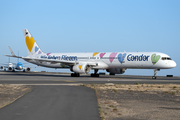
(173, 64)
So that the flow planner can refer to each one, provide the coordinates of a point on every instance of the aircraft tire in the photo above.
(112, 74)
(97, 75)
(78, 75)
(72, 74)
(94, 75)
(75, 75)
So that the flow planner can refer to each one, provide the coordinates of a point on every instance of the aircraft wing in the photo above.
(58, 61)
(50, 60)
(5, 66)
(47, 60)
(40, 59)
(12, 54)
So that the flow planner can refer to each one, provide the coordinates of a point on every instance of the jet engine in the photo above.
(1, 67)
(28, 69)
(81, 68)
(9, 68)
(114, 71)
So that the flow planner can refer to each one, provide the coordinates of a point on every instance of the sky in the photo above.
(92, 26)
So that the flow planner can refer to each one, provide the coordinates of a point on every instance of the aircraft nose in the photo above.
(173, 64)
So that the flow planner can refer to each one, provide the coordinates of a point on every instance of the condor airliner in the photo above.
(82, 63)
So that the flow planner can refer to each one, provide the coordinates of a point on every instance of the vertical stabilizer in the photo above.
(31, 44)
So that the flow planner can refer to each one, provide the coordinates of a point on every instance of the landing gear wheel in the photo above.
(112, 74)
(13, 70)
(94, 75)
(75, 75)
(24, 71)
(155, 73)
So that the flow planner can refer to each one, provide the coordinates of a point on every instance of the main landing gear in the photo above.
(75, 75)
(95, 73)
(155, 73)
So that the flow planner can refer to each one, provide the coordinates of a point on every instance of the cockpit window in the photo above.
(169, 59)
(166, 58)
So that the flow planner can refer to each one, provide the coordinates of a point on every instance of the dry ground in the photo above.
(138, 102)
(121, 102)
(10, 93)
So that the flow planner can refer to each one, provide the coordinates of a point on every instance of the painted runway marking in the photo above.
(65, 80)
(57, 80)
(69, 81)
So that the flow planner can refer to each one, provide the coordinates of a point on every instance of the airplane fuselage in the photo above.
(82, 63)
(131, 60)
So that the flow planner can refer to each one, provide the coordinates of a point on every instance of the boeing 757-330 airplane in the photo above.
(82, 63)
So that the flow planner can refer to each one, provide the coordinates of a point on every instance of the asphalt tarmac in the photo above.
(54, 103)
(37, 78)
(51, 99)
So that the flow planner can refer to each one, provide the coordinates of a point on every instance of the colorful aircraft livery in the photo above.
(82, 63)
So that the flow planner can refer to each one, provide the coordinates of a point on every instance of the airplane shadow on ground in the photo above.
(170, 108)
(118, 77)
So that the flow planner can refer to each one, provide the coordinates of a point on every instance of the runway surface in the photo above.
(33, 78)
(54, 103)
(51, 99)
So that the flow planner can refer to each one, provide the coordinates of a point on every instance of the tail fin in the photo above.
(31, 44)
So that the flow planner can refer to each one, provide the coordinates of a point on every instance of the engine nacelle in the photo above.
(1, 67)
(9, 68)
(81, 68)
(28, 69)
(116, 70)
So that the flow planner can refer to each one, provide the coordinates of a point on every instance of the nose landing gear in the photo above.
(155, 73)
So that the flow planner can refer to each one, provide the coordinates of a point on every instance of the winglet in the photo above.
(12, 53)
